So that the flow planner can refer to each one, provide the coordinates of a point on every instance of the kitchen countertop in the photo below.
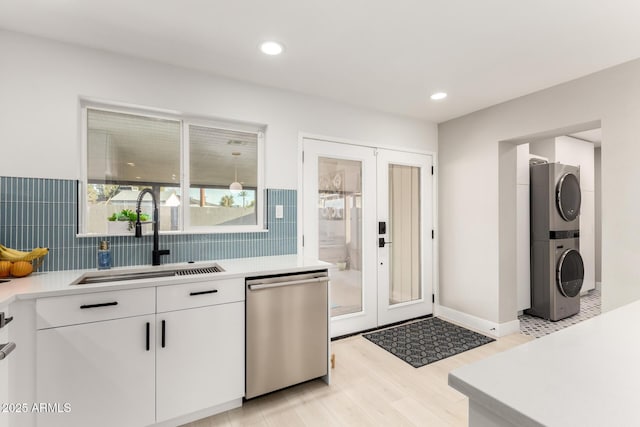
(57, 283)
(584, 375)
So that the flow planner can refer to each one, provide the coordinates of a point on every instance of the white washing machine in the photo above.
(560, 272)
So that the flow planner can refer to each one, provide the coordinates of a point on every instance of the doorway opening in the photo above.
(579, 146)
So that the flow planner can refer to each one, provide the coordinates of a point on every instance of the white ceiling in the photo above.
(385, 55)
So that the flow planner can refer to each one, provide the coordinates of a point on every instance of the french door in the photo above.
(368, 212)
(405, 245)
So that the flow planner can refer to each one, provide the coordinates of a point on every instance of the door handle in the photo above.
(381, 242)
(148, 336)
(4, 321)
(163, 334)
(258, 286)
(7, 348)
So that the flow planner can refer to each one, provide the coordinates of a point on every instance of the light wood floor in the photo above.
(369, 387)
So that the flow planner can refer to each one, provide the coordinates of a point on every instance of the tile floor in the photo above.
(537, 327)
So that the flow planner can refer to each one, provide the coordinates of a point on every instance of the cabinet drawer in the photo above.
(93, 307)
(199, 294)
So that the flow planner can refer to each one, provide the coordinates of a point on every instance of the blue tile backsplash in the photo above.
(43, 212)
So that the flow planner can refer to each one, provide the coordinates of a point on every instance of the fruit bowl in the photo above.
(17, 263)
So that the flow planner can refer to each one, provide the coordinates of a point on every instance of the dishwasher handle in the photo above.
(6, 349)
(257, 287)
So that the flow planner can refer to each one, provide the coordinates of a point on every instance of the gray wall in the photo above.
(476, 218)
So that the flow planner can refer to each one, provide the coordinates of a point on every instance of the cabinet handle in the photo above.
(163, 333)
(6, 349)
(4, 321)
(212, 291)
(148, 337)
(104, 304)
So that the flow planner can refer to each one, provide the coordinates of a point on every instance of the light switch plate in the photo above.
(279, 212)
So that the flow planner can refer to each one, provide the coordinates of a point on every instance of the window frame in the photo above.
(185, 121)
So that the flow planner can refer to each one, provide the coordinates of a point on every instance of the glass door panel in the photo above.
(339, 230)
(339, 209)
(404, 232)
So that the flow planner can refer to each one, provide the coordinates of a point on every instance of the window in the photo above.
(218, 158)
(206, 175)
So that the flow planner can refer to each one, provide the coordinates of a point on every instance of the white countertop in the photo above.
(585, 375)
(59, 282)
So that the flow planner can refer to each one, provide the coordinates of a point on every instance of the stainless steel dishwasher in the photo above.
(287, 330)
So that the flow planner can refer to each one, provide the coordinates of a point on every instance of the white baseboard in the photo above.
(477, 323)
(236, 403)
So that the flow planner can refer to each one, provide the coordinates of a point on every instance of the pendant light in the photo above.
(235, 185)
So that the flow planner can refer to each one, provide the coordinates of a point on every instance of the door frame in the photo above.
(434, 202)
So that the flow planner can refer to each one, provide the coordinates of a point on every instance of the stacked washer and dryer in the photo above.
(557, 270)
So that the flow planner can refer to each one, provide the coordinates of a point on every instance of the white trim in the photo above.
(481, 325)
(184, 222)
(211, 230)
(299, 201)
(598, 286)
(83, 181)
(436, 239)
(203, 413)
(164, 113)
(306, 135)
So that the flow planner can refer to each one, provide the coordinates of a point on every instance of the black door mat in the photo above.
(427, 341)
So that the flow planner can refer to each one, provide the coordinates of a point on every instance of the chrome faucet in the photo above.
(156, 253)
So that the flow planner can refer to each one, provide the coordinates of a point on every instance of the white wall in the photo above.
(523, 236)
(41, 81)
(474, 215)
(598, 213)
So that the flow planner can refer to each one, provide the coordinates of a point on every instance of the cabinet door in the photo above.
(104, 371)
(202, 362)
(4, 379)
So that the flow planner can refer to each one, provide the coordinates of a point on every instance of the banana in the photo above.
(12, 252)
(13, 255)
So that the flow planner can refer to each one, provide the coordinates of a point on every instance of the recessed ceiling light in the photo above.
(271, 48)
(438, 96)
(131, 164)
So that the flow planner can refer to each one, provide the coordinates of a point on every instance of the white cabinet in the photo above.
(4, 378)
(95, 354)
(202, 362)
(94, 307)
(200, 350)
(104, 371)
(115, 362)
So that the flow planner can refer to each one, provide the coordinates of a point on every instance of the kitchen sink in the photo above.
(112, 276)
